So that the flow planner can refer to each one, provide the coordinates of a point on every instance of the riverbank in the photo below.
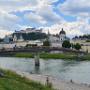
(65, 56)
(12, 81)
(56, 83)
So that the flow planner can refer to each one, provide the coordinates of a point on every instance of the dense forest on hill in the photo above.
(32, 36)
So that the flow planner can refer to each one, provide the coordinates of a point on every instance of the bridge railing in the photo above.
(38, 49)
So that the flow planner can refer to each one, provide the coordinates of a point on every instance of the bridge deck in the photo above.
(37, 49)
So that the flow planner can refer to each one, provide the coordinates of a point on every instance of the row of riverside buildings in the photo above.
(17, 39)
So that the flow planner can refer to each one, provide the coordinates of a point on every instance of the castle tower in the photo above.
(14, 38)
(21, 38)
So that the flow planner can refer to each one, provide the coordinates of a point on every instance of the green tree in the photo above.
(77, 46)
(66, 44)
(33, 36)
(46, 43)
(1, 40)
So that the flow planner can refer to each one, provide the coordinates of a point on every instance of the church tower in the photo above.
(62, 35)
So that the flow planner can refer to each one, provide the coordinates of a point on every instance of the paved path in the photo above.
(57, 84)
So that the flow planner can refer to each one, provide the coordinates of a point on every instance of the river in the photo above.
(78, 71)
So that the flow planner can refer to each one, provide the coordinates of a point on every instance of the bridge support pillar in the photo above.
(37, 61)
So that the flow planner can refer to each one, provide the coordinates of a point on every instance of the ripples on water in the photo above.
(66, 70)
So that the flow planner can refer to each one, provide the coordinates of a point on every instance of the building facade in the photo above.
(57, 40)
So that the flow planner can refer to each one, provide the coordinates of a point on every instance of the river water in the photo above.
(78, 71)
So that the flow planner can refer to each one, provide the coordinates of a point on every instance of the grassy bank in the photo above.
(66, 56)
(12, 81)
(57, 56)
(85, 57)
(48, 55)
(26, 55)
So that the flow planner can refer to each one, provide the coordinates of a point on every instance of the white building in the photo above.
(31, 30)
(57, 40)
(17, 37)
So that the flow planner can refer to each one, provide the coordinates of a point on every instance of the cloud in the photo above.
(76, 7)
(72, 29)
(8, 21)
(80, 9)
(44, 14)
(35, 18)
(3, 33)
(19, 5)
(47, 12)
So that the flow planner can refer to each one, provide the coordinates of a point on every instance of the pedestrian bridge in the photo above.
(35, 49)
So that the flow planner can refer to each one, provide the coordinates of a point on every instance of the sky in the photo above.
(53, 15)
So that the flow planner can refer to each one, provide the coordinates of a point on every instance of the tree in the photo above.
(66, 44)
(34, 36)
(46, 43)
(77, 46)
(1, 40)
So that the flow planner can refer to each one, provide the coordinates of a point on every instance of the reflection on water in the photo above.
(66, 70)
(37, 69)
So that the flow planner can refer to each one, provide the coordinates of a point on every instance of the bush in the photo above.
(66, 44)
(77, 46)
(46, 43)
(87, 40)
(31, 45)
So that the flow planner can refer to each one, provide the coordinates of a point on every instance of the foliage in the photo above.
(31, 45)
(48, 55)
(65, 56)
(87, 40)
(66, 44)
(77, 46)
(46, 43)
(26, 55)
(31, 36)
(58, 56)
(12, 81)
(1, 40)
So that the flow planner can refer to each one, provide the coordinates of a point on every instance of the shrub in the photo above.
(46, 43)
(66, 44)
(77, 46)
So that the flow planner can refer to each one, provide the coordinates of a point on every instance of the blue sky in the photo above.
(55, 4)
(72, 15)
